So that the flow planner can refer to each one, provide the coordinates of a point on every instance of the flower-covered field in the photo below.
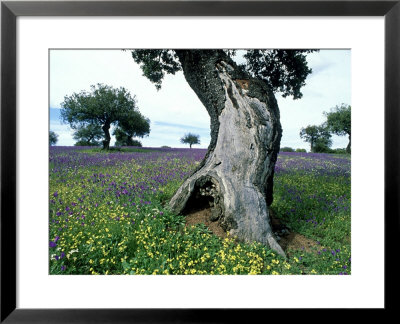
(108, 214)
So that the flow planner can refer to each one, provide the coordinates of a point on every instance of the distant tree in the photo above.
(300, 150)
(190, 139)
(103, 106)
(136, 143)
(339, 151)
(286, 149)
(135, 125)
(318, 137)
(88, 135)
(310, 134)
(339, 122)
(53, 138)
(322, 145)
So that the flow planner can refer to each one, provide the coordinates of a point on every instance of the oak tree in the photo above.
(236, 175)
(103, 107)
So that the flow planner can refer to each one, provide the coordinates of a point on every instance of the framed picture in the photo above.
(97, 25)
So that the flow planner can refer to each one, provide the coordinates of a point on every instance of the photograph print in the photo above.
(199, 162)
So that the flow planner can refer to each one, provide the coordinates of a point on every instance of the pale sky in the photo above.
(175, 109)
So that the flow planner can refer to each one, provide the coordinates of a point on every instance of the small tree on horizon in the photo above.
(53, 138)
(190, 139)
(339, 122)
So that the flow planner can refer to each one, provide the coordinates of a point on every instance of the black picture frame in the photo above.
(10, 10)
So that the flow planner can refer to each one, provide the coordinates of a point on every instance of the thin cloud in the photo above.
(189, 127)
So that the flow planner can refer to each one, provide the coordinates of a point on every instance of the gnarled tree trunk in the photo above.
(107, 137)
(236, 175)
(348, 148)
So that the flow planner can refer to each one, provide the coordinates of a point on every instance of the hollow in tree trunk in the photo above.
(236, 175)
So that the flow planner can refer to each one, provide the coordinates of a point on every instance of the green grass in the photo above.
(317, 207)
(102, 231)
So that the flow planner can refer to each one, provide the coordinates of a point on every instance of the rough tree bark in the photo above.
(348, 148)
(236, 176)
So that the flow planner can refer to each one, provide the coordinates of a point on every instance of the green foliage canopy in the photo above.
(318, 137)
(53, 138)
(123, 139)
(155, 63)
(286, 149)
(339, 120)
(134, 125)
(102, 107)
(322, 145)
(88, 135)
(284, 70)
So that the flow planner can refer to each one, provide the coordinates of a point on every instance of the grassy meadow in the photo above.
(108, 214)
